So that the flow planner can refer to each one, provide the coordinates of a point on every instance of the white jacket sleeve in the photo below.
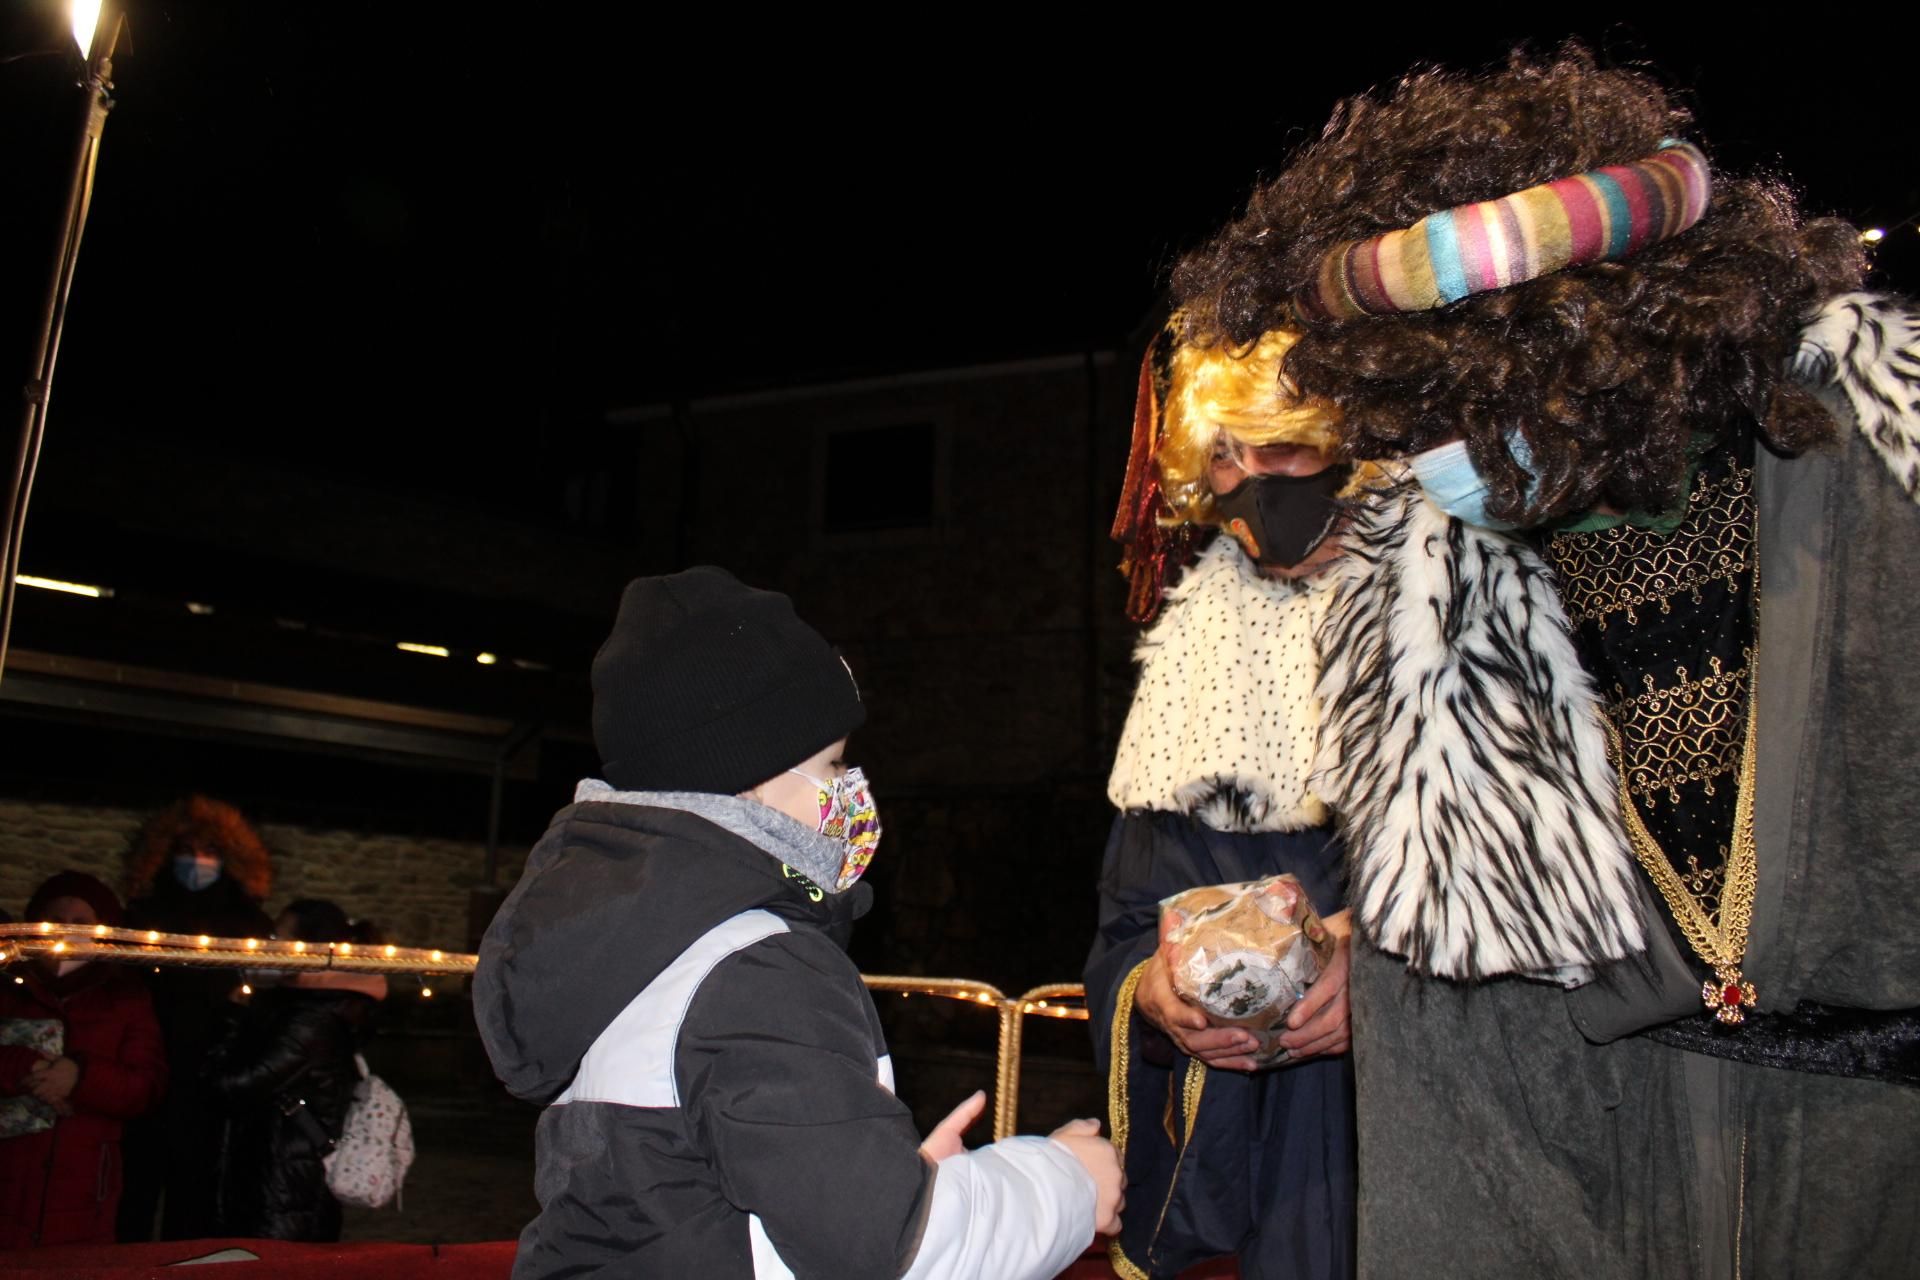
(1021, 1209)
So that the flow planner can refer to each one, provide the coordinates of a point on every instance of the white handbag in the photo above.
(375, 1148)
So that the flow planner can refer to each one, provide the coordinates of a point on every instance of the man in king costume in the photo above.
(1616, 712)
(1231, 508)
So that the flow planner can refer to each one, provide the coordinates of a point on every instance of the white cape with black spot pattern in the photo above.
(1224, 719)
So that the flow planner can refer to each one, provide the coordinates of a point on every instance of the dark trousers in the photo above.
(172, 1164)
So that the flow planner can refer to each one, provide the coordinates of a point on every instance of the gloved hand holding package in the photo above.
(1245, 953)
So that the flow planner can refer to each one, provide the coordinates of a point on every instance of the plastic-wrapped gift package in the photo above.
(1245, 953)
(22, 1113)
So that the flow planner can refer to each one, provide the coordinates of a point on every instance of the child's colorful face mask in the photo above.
(847, 814)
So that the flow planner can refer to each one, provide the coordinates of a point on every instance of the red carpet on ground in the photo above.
(277, 1258)
(285, 1261)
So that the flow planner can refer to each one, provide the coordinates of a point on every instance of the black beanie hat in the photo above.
(709, 685)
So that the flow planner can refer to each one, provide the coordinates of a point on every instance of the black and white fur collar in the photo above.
(1861, 354)
(1462, 746)
(1461, 740)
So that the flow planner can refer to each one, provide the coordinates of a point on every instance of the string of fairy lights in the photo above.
(152, 947)
(22, 942)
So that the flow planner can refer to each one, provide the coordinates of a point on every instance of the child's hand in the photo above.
(52, 1079)
(944, 1141)
(1095, 1154)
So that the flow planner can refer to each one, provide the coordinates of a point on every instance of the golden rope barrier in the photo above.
(147, 946)
(951, 988)
(1006, 1072)
(1043, 1001)
(150, 947)
(1049, 1001)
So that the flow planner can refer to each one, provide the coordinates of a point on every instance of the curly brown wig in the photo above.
(1606, 370)
(208, 824)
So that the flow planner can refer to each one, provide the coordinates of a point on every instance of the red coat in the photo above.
(62, 1185)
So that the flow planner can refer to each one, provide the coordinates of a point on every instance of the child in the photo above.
(669, 976)
(60, 1172)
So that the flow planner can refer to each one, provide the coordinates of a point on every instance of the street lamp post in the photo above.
(88, 23)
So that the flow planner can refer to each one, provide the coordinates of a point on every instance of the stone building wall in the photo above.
(417, 888)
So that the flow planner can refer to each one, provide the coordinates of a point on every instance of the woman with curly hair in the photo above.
(1630, 840)
(196, 867)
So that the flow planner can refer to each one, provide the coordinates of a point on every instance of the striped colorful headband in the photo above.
(1591, 217)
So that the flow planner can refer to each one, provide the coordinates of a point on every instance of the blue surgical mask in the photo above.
(1453, 484)
(195, 874)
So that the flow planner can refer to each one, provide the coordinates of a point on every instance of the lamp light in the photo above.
(85, 15)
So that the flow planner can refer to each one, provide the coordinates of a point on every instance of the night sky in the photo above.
(429, 250)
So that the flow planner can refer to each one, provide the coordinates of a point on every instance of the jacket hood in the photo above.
(611, 895)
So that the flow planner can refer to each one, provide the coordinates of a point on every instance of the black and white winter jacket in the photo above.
(719, 1093)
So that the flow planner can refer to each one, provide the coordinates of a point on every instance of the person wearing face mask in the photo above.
(1233, 488)
(196, 867)
(1617, 711)
(669, 980)
(60, 1174)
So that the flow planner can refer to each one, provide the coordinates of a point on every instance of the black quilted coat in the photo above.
(291, 1048)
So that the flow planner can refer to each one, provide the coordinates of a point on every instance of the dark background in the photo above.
(359, 274)
(373, 242)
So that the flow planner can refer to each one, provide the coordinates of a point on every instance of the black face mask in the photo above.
(1281, 519)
